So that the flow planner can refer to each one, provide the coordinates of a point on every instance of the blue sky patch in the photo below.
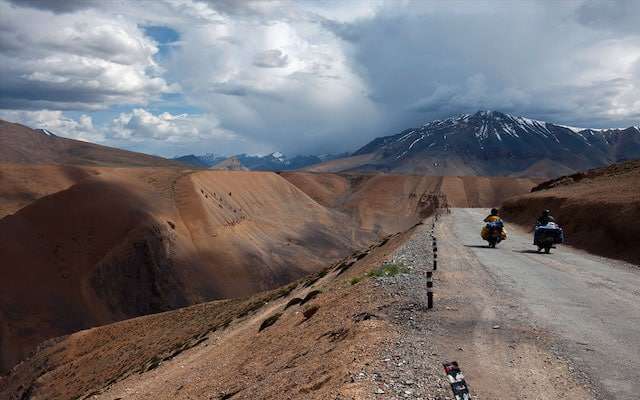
(164, 36)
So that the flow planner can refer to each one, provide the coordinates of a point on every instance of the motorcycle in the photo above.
(494, 233)
(547, 236)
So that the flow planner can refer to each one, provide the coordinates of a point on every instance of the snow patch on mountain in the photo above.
(46, 132)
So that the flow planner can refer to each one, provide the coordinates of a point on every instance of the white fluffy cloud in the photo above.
(161, 133)
(56, 122)
(141, 125)
(273, 73)
(79, 60)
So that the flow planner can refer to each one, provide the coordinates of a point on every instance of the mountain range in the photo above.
(492, 143)
(486, 143)
(270, 162)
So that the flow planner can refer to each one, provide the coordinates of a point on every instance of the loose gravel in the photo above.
(409, 367)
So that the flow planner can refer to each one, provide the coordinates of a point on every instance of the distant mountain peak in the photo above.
(491, 142)
(275, 161)
(45, 132)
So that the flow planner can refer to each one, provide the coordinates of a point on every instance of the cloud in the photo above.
(140, 125)
(611, 15)
(309, 77)
(77, 60)
(424, 61)
(292, 79)
(57, 6)
(56, 122)
(271, 59)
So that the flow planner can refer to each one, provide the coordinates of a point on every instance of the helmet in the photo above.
(546, 213)
(494, 211)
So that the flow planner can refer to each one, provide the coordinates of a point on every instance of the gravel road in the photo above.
(590, 305)
(522, 325)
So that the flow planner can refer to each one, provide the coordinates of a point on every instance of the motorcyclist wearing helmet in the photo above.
(493, 217)
(545, 218)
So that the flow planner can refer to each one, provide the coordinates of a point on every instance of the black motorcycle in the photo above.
(547, 236)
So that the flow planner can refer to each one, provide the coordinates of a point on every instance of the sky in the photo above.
(174, 77)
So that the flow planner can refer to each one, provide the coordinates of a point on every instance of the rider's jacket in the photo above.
(492, 218)
(543, 220)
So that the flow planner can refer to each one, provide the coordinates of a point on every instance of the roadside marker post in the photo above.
(429, 290)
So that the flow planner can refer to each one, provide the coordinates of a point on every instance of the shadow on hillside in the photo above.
(528, 251)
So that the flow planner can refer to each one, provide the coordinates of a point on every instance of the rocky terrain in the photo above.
(310, 338)
(358, 329)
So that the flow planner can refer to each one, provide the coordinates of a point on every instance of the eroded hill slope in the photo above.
(97, 245)
(320, 330)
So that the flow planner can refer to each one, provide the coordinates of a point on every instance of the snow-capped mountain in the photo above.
(494, 143)
(271, 162)
(200, 161)
(45, 132)
(276, 161)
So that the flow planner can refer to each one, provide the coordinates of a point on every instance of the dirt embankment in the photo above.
(598, 209)
(304, 340)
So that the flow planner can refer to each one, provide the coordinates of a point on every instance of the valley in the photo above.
(145, 240)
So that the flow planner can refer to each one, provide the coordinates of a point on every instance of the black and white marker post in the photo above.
(435, 256)
(429, 290)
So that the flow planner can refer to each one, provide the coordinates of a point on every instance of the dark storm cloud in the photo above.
(614, 15)
(524, 58)
(57, 6)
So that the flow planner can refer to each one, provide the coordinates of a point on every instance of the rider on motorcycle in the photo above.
(493, 217)
(545, 218)
(547, 233)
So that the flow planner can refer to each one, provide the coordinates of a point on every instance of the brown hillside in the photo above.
(175, 354)
(22, 184)
(20, 144)
(598, 209)
(90, 246)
